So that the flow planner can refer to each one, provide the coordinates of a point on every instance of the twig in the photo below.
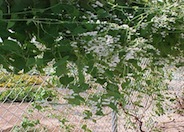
(136, 118)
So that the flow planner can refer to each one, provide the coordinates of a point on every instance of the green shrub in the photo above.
(10, 81)
(27, 94)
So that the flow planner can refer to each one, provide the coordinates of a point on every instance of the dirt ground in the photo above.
(171, 123)
(11, 114)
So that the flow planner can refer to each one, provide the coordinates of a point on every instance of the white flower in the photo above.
(59, 38)
(164, 34)
(144, 25)
(114, 60)
(68, 31)
(94, 5)
(99, 4)
(101, 46)
(125, 26)
(98, 22)
(93, 33)
(91, 15)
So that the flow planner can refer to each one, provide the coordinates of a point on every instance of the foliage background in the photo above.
(113, 47)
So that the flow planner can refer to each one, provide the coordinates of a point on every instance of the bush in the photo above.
(9, 80)
(27, 94)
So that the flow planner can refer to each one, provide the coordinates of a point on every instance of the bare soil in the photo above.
(11, 114)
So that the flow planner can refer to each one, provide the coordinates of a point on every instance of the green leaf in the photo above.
(79, 88)
(101, 81)
(61, 66)
(102, 13)
(109, 73)
(89, 26)
(85, 128)
(39, 61)
(70, 9)
(60, 70)
(1, 2)
(159, 110)
(78, 30)
(19, 63)
(28, 22)
(113, 106)
(76, 100)
(61, 61)
(10, 45)
(2, 60)
(88, 114)
(100, 112)
(30, 62)
(64, 46)
(84, 86)
(37, 106)
(112, 87)
(80, 72)
(111, 1)
(10, 24)
(55, 6)
(1, 14)
(66, 80)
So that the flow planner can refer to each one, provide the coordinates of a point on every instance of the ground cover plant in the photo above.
(24, 88)
(115, 47)
(9, 80)
(27, 94)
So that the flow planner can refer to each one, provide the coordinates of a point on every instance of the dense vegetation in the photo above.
(24, 88)
(113, 46)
